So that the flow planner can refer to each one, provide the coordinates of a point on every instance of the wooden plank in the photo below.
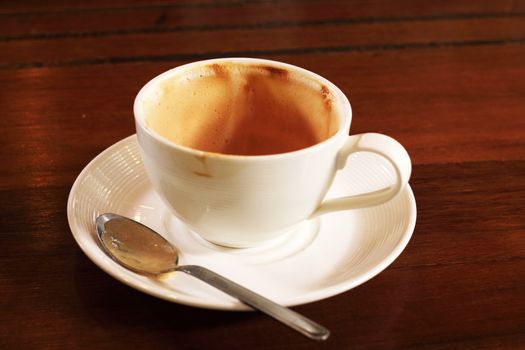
(412, 308)
(358, 7)
(473, 221)
(34, 6)
(466, 258)
(52, 19)
(435, 102)
(92, 50)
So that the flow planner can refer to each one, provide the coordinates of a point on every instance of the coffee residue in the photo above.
(327, 98)
(243, 110)
(274, 71)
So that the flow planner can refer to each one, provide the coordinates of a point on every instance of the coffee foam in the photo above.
(241, 109)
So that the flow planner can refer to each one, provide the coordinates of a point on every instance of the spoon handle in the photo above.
(287, 316)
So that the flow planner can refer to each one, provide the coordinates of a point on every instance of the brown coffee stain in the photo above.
(328, 99)
(221, 71)
(202, 158)
(266, 123)
(244, 110)
(274, 71)
(203, 161)
(198, 173)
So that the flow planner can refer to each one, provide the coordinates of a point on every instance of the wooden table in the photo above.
(445, 78)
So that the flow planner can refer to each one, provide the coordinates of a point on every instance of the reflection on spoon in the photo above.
(142, 250)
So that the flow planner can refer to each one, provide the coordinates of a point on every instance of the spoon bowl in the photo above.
(136, 246)
(144, 251)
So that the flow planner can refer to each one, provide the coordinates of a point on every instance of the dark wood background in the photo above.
(445, 78)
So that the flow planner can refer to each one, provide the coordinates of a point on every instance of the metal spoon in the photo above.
(142, 250)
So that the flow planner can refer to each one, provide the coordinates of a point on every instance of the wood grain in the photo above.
(48, 111)
(353, 8)
(458, 283)
(447, 79)
(237, 42)
(148, 18)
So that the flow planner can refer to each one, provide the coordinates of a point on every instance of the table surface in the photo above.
(445, 78)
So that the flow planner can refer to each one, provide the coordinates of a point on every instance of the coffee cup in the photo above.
(242, 150)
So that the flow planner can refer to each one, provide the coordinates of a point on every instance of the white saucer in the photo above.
(324, 257)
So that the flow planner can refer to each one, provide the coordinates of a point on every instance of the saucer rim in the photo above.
(117, 272)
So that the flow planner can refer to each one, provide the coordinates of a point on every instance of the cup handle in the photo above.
(389, 149)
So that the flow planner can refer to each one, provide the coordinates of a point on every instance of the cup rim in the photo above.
(344, 127)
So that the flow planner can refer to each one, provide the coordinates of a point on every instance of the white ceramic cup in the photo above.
(244, 201)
